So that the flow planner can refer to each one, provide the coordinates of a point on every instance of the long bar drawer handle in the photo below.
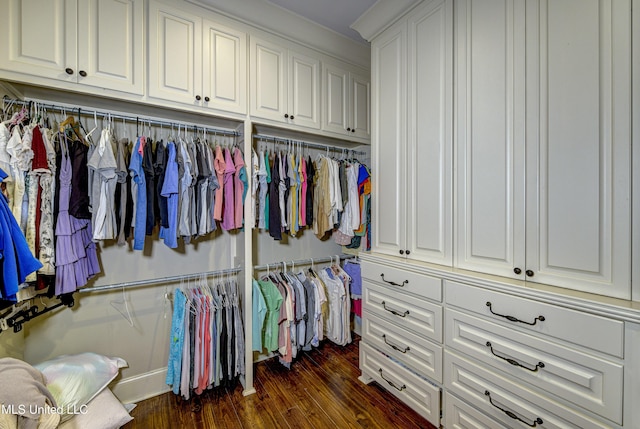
(513, 361)
(391, 310)
(393, 346)
(515, 319)
(393, 283)
(537, 421)
(391, 383)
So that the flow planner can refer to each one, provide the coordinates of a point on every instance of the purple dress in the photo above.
(76, 256)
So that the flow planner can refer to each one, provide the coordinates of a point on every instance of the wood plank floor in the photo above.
(321, 390)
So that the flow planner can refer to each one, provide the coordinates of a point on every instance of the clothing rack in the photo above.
(159, 280)
(137, 119)
(274, 139)
(304, 261)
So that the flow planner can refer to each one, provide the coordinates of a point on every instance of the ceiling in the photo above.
(336, 15)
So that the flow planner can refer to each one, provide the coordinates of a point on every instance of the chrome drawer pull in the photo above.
(390, 310)
(393, 283)
(515, 319)
(537, 421)
(391, 383)
(515, 362)
(393, 346)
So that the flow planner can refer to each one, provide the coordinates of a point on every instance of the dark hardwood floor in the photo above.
(321, 390)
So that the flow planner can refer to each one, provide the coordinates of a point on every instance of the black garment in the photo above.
(311, 172)
(287, 183)
(79, 199)
(275, 230)
(160, 166)
(149, 176)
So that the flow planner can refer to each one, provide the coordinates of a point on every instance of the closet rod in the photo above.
(273, 139)
(160, 280)
(303, 262)
(137, 119)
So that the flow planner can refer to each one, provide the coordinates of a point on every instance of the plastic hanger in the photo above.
(116, 304)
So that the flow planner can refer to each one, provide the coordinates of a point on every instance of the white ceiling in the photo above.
(336, 15)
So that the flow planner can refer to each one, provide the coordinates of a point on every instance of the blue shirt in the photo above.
(170, 189)
(137, 174)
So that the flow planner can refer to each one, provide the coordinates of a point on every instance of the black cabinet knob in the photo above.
(68, 70)
(198, 98)
(401, 252)
(348, 129)
(529, 273)
(408, 252)
(207, 99)
(286, 115)
(82, 73)
(291, 116)
(353, 130)
(517, 270)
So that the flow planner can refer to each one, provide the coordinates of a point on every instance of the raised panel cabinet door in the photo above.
(388, 141)
(39, 38)
(268, 91)
(175, 54)
(335, 98)
(225, 68)
(429, 160)
(304, 90)
(360, 105)
(110, 44)
(489, 217)
(578, 189)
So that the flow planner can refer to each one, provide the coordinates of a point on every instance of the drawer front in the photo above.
(418, 315)
(549, 320)
(412, 350)
(585, 380)
(403, 281)
(512, 404)
(414, 391)
(460, 415)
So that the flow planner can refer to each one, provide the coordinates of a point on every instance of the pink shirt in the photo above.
(219, 166)
(303, 192)
(228, 205)
(239, 187)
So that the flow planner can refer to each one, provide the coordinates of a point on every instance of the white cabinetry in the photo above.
(411, 135)
(284, 84)
(90, 42)
(543, 162)
(346, 101)
(196, 61)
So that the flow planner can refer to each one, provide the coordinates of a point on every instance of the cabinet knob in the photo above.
(198, 98)
(401, 252)
(291, 116)
(408, 252)
(353, 130)
(69, 70)
(349, 129)
(529, 273)
(517, 270)
(207, 99)
(82, 73)
(286, 115)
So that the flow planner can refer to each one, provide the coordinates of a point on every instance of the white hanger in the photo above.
(126, 316)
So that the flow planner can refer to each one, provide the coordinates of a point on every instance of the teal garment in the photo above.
(266, 200)
(174, 368)
(273, 299)
(259, 315)
(245, 182)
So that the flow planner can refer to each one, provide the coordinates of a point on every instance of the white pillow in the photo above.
(103, 412)
(74, 380)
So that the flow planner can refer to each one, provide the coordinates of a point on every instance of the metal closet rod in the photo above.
(303, 261)
(137, 119)
(159, 280)
(274, 139)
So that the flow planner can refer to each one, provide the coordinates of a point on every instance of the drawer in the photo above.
(546, 319)
(585, 380)
(414, 351)
(411, 389)
(416, 314)
(510, 403)
(460, 415)
(403, 281)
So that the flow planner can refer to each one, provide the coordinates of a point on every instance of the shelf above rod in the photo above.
(267, 139)
(308, 261)
(159, 280)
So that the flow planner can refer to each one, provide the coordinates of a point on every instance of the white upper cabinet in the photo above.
(346, 101)
(284, 84)
(195, 61)
(91, 42)
(543, 142)
(412, 136)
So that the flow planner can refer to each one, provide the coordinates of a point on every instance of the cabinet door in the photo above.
(429, 160)
(110, 44)
(578, 189)
(39, 38)
(268, 80)
(490, 136)
(175, 54)
(336, 98)
(225, 68)
(388, 61)
(304, 90)
(359, 105)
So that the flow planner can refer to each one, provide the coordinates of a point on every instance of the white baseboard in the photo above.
(142, 386)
